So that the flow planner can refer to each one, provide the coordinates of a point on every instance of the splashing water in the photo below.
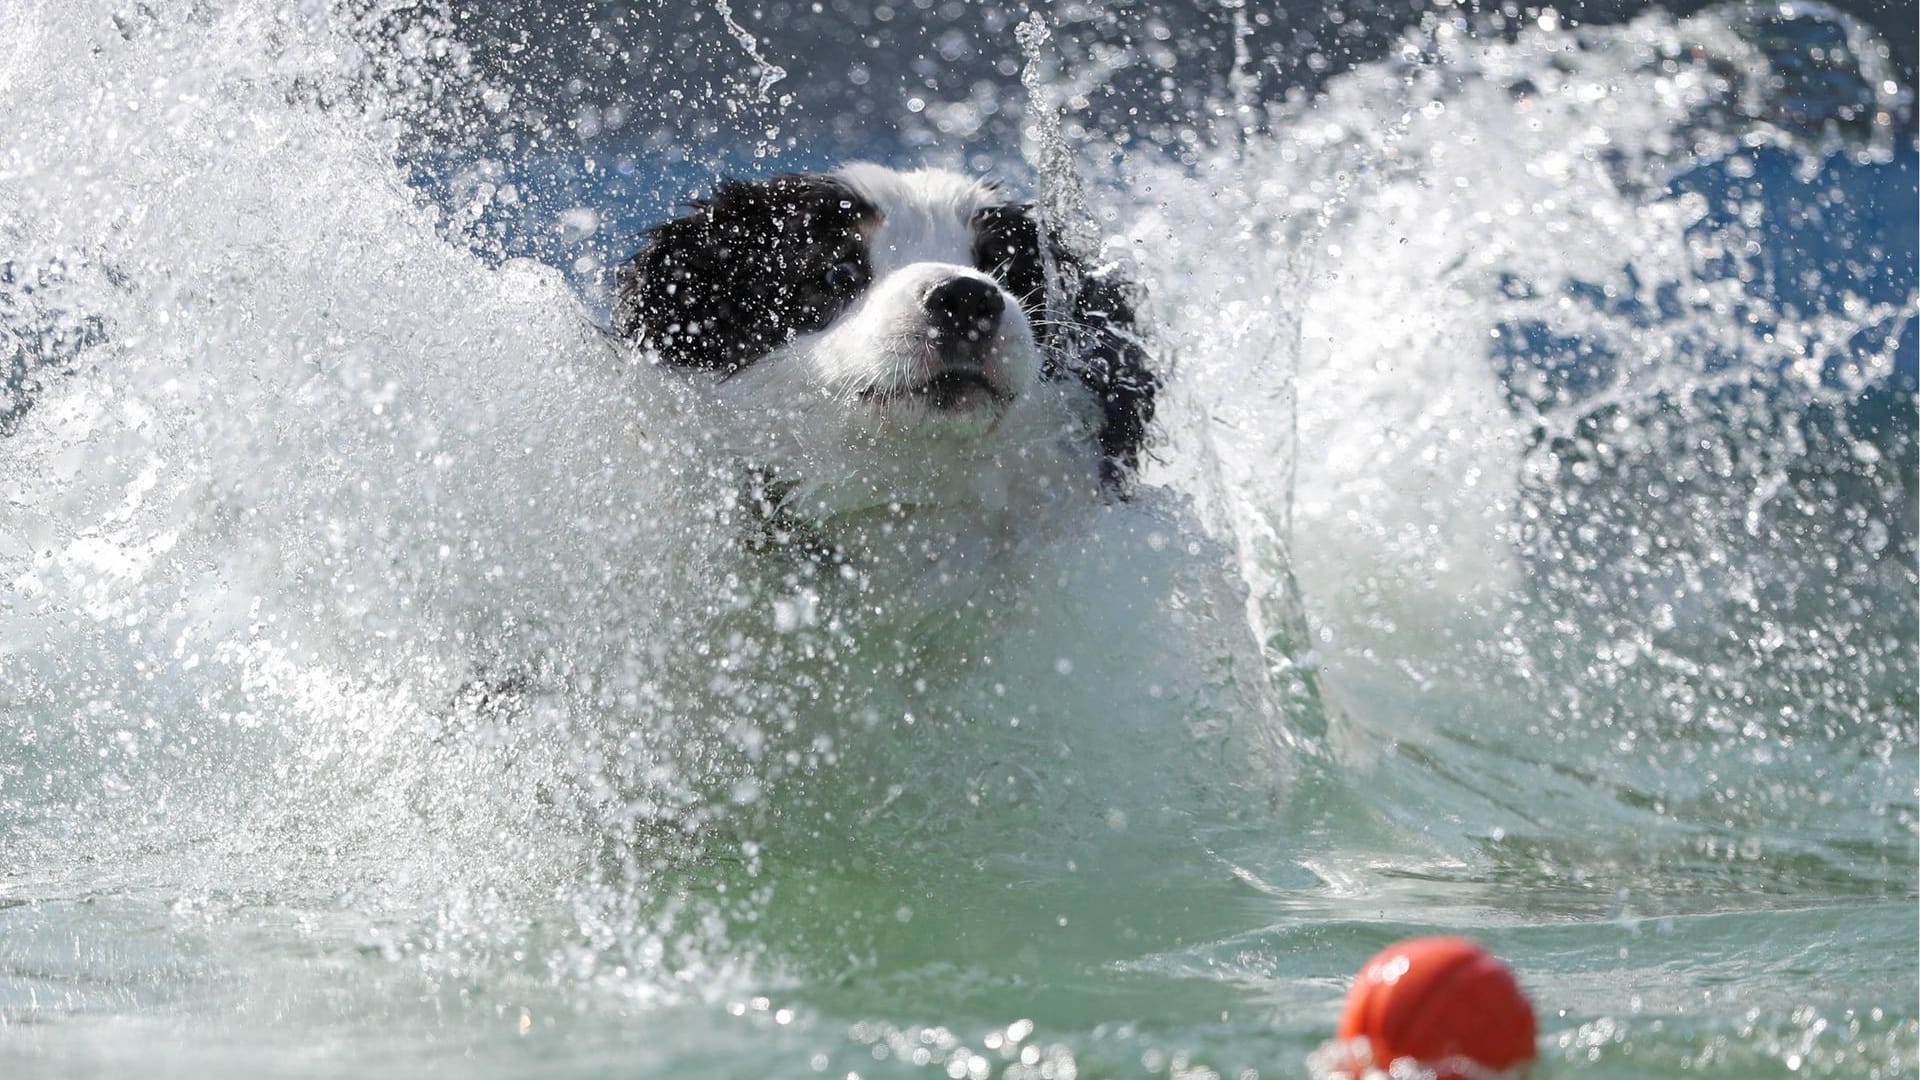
(1529, 552)
(770, 73)
(1062, 204)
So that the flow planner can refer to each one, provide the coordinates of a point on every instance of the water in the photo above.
(1529, 553)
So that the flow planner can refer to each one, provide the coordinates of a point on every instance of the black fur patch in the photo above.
(746, 271)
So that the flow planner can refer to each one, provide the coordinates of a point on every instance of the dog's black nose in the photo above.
(962, 314)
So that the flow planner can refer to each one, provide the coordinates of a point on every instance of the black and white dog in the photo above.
(921, 416)
(888, 343)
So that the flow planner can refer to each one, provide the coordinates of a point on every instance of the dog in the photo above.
(896, 346)
(958, 607)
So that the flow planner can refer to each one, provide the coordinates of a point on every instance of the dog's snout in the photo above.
(963, 313)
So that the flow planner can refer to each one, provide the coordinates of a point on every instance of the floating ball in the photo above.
(1445, 1002)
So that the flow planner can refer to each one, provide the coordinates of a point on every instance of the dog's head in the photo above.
(904, 313)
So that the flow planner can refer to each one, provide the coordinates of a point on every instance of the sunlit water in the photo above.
(1528, 553)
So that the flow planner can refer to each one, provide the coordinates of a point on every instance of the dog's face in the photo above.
(878, 315)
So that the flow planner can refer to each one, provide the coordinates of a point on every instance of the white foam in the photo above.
(329, 476)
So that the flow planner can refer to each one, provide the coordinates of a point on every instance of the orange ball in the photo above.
(1440, 1000)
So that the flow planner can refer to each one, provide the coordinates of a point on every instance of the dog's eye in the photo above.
(845, 276)
(1007, 245)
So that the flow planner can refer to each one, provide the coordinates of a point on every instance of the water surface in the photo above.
(1529, 553)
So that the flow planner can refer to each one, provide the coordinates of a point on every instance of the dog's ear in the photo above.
(1099, 340)
(680, 291)
(1086, 317)
(742, 272)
